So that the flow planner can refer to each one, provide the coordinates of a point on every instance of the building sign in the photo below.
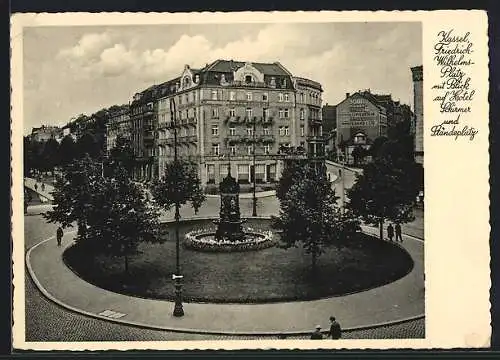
(358, 114)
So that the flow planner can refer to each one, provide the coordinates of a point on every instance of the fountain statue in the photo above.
(229, 234)
(229, 222)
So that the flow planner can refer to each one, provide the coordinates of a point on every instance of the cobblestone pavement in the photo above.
(46, 321)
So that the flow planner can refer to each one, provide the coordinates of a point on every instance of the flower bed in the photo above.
(204, 240)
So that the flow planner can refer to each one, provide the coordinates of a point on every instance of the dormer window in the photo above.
(197, 78)
(273, 82)
(186, 82)
(248, 79)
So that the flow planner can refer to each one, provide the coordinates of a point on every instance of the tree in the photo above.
(122, 155)
(180, 183)
(292, 168)
(309, 214)
(358, 153)
(50, 155)
(377, 144)
(385, 190)
(87, 145)
(67, 150)
(122, 218)
(73, 195)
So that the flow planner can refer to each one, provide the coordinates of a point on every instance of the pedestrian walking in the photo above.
(398, 233)
(316, 335)
(335, 329)
(59, 235)
(36, 187)
(390, 232)
(43, 186)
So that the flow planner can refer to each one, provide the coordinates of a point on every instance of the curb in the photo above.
(187, 330)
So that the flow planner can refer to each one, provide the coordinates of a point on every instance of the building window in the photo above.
(302, 130)
(280, 97)
(286, 131)
(281, 113)
(232, 148)
(281, 131)
(265, 113)
(232, 112)
(286, 113)
(232, 131)
(267, 131)
(193, 131)
(265, 97)
(302, 114)
(249, 131)
(215, 149)
(248, 79)
(287, 98)
(215, 130)
(267, 149)
(232, 96)
(249, 150)
(301, 97)
(215, 113)
(249, 113)
(214, 94)
(249, 96)
(184, 132)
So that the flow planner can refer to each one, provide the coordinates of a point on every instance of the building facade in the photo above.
(360, 120)
(44, 133)
(142, 133)
(234, 114)
(418, 103)
(118, 126)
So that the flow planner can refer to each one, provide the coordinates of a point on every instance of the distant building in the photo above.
(361, 118)
(44, 133)
(418, 103)
(364, 116)
(118, 125)
(329, 118)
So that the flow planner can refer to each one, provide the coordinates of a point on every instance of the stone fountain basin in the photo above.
(206, 241)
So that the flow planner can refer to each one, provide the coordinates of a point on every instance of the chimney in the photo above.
(347, 95)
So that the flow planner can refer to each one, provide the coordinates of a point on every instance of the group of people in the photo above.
(394, 229)
(334, 333)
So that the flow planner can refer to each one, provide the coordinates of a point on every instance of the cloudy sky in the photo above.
(74, 70)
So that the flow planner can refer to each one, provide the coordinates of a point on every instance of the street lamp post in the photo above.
(177, 277)
(254, 203)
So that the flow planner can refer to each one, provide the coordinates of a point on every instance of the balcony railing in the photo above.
(315, 138)
(248, 120)
(314, 120)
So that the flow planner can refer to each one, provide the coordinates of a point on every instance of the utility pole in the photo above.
(254, 207)
(177, 277)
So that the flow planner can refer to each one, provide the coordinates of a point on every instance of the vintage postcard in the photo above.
(253, 180)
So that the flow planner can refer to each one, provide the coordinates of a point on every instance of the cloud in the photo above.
(344, 59)
(88, 47)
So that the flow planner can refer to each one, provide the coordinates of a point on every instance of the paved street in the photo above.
(47, 321)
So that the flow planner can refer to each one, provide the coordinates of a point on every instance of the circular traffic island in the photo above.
(270, 274)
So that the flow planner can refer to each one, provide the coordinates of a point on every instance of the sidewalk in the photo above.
(47, 193)
(402, 299)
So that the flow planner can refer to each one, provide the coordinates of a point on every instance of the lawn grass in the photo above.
(269, 275)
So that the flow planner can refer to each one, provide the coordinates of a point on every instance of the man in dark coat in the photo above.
(390, 232)
(59, 235)
(335, 330)
(398, 233)
(316, 335)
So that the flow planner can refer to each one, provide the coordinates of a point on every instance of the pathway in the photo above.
(402, 299)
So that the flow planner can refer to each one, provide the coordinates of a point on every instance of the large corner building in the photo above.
(223, 113)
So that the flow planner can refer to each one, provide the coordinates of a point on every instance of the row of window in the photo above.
(249, 113)
(314, 98)
(233, 149)
(283, 130)
(262, 173)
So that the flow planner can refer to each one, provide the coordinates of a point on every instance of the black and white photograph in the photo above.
(224, 181)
